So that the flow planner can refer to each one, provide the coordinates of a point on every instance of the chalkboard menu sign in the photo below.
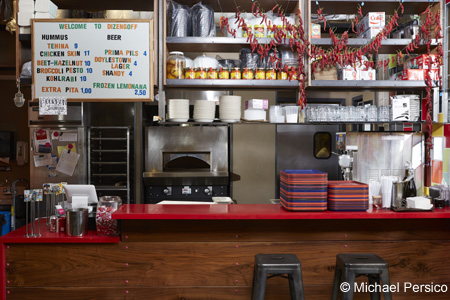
(88, 60)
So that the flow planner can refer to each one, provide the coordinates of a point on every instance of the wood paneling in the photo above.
(285, 230)
(214, 259)
(208, 264)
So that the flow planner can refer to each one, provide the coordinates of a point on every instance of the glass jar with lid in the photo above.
(103, 219)
(176, 63)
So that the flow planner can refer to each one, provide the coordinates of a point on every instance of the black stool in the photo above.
(353, 265)
(277, 265)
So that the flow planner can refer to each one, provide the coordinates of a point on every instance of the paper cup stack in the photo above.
(178, 110)
(204, 110)
(230, 109)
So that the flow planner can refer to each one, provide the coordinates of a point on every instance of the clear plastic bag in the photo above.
(203, 20)
(179, 20)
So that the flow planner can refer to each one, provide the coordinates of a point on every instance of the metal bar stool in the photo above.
(277, 265)
(353, 265)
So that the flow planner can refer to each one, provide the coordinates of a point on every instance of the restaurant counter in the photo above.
(207, 252)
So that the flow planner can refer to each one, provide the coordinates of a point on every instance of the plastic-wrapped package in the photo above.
(248, 59)
(26, 70)
(203, 20)
(179, 21)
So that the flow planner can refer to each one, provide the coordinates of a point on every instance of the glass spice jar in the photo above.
(211, 73)
(175, 65)
(224, 73)
(260, 74)
(103, 219)
(247, 74)
(235, 73)
(282, 75)
(189, 73)
(200, 73)
(271, 74)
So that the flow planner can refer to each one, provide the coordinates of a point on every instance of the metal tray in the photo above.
(406, 209)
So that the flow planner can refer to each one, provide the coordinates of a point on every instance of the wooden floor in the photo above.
(214, 259)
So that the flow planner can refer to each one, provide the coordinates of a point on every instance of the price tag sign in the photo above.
(52, 106)
(92, 59)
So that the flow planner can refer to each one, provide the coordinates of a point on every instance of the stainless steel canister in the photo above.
(77, 221)
(397, 200)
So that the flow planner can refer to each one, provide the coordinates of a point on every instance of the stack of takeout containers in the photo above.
(348, 196)
(303, 190)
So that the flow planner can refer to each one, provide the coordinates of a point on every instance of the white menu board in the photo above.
(92, 59)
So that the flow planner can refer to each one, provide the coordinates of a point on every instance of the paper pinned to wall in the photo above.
(52, 106)
(68, 147)
(68, 137)
(67, 162)
(41, 160)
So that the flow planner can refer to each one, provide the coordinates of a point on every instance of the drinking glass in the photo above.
(383, 113)
(372, 113)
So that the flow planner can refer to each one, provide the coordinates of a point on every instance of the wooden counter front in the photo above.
(212, 258)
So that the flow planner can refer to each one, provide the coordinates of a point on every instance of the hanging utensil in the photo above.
(19, 99)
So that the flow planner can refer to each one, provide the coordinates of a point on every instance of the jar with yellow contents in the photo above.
(175, 65)
(248, 73)
(200, 73)
(235, 73)
(212, 73)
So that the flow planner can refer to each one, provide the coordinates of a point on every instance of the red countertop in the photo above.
(256, 212)
(18, 237)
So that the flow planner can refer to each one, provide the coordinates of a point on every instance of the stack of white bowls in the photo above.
(204, 110)
(230, 109)
(414, 106)
(178, 110)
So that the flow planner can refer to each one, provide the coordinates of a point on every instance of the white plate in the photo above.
(178, 120)
(229, 120)
(204, 120)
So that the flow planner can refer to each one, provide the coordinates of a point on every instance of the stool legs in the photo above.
(259, 284)
(385, 281)
(349, 278)
(296, 285)
(373, 280)
(336, 283)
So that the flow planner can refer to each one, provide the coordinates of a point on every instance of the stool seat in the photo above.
(349, 266)
(277, 265)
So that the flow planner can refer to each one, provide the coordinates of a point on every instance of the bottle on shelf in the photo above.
(409, 189)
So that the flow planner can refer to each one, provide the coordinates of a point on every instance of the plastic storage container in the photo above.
(6, 228)
(106, 206)
(176, 63)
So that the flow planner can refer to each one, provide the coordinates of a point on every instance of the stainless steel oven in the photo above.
(186, 163)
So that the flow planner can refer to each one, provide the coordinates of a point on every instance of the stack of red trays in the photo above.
(303, 190)
(348, 196)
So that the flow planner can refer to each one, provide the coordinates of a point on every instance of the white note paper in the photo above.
(67, 162)
(68, 137)
(41, 160)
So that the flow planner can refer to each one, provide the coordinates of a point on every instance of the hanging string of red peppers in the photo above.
(339, 53)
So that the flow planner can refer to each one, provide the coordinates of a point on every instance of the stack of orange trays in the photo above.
(303, 190)
(348, 196)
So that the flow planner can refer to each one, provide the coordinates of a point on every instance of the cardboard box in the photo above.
(371, 20)
(348, 74)
(257, 104)
(370, 33)
(329, 73)
(400, 109)
(420, 62)
(367, 74)
(418, 74)
(26, 6)
(315, 31)
(24, 18)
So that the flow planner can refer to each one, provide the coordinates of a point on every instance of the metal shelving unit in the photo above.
(368, 84)
(109, 160)
(221, 83)
(351, 6)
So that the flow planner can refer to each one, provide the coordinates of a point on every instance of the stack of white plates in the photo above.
(178, 110)
(204, 110)
(230, 108)
(414, 106)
